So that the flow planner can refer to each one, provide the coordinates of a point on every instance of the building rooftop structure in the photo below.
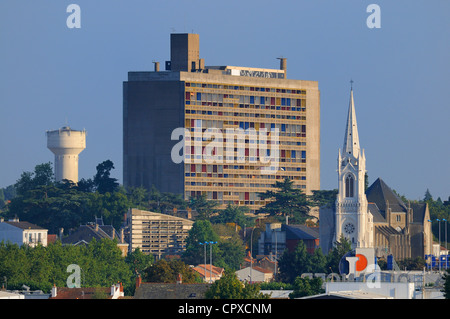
(199, 99)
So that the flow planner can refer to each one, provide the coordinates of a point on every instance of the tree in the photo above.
(102, 180)
(334, 257)
(287, 201)
(229, 287)
(42, 176)
(138, 261)
(427, 197)
(295, 263)
(204, 207)
(325, 198)
(446, 289)
(306, 287)
(201, 232)
(233, 214)
(167, 272)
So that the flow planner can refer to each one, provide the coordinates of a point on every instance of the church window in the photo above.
(349, 186)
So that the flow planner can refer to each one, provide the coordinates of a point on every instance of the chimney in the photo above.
(54, 291)
(283, 65)
(122, 239)
(138, 281)
(61, 233)
(179, 279)
(156, 66)
(96, 227)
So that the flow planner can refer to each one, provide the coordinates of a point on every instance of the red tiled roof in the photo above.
(82, 293)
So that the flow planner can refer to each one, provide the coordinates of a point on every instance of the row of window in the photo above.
(244, 88)
(230, 100)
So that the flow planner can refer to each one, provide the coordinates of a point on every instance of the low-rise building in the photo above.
(96, 230)
(254, 274)
(22, 232)
(155, 233)
(209, 273)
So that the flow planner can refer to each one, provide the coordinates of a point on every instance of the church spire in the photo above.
(351, 140)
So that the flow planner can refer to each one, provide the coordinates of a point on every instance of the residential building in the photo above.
(176, 290)
(155, 233)
(114, 292)
(279, 237)
(226, 132)
(96, 230)
(22, 233)
(254, 274)
(209, 273)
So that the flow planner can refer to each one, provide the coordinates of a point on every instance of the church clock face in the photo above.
(349, 228)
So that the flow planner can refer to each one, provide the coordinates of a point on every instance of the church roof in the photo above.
(379, 193)
(300, 232)
(351, 139)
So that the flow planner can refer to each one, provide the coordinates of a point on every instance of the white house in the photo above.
(254, 274)
(18, 232)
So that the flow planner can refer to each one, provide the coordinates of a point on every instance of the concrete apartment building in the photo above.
(278, 120)
(156, 234)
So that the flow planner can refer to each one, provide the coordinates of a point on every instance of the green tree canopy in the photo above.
(167, 272)
(306, 287)
(295, 263)
(102, 180)
(229, 287)
(287, 201)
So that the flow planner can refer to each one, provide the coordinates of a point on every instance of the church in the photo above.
(375, 219)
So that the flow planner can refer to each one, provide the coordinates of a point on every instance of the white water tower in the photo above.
(66, 144)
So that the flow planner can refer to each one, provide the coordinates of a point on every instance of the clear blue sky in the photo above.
(50, 74)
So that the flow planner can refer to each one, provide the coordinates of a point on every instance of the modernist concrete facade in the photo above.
(157, 234)
(204, 100)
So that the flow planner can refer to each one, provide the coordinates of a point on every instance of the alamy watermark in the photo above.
(235, 145)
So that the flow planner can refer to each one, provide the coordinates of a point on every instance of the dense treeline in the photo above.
(42, 267)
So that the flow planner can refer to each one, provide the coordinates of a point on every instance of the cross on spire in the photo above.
(351, 84)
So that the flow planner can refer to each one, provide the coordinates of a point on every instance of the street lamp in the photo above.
(446, 251)
(205, 243)
(251, 253)
(439, 249)
(210, 259)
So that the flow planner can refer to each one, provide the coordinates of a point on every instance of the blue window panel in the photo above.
(299, 169)
(283, 101)
(303, 154)
(272, 125)
(268, 152)
(199, 96)
(247, 125)
(252, 100)
(209, 112)
(262, 100)
(293, 154)
(288, 102)
(278, 108)
(283, 127)
(241, 125)
(225, 175)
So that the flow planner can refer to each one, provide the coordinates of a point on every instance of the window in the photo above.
(349, 186)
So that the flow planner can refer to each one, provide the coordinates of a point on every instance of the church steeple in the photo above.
(351, 139)
(353, 219)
